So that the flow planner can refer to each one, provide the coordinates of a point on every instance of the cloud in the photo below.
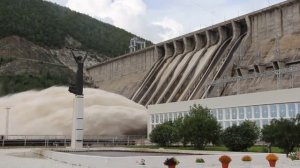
(130, 15)
(159, 20)
(171, 28)
(60, 2)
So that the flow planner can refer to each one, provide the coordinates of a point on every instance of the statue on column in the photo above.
(77, 88)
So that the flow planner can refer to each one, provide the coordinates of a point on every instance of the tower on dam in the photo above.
(244, 68)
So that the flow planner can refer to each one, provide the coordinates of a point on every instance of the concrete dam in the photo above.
(256, 52)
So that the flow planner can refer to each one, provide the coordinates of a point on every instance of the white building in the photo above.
(260, 107)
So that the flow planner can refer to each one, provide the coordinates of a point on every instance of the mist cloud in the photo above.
(49, 112)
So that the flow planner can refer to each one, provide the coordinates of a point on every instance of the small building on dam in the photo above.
(246, 68)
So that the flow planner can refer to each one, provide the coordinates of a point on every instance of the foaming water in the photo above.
(49, 112)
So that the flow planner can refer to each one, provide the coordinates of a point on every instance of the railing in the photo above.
(65, 140)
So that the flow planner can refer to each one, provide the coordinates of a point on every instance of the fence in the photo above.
(65, 140)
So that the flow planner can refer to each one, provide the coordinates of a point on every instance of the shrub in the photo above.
(272, 157)
(283, 133)
(239, 138)
(142, 162)
(202, 127)
(225, 159)
(294, 155)
(200, 160)
(171, 161)
(164, 134)
(246, 158)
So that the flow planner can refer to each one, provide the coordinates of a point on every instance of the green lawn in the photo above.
(260, 149)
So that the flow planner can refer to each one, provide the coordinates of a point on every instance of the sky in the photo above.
(160, 20)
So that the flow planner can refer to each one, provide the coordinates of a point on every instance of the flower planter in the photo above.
(225, 165)
(200, 165)
(272, 163)
(225, 160)
(171, 166)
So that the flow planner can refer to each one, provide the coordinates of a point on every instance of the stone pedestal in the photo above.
(77, 127)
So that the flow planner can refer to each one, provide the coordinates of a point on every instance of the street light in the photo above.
(7, 122)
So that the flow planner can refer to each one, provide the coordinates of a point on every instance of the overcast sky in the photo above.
(159, 20)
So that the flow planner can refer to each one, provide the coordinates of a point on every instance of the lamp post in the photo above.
(77, 89)
(7, 122)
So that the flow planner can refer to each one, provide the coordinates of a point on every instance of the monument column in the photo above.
(78, 108)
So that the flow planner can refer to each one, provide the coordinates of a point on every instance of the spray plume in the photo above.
(49, 112)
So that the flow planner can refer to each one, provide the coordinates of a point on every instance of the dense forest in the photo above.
(48, 25)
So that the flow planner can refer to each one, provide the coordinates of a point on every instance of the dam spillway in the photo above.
(256, 52)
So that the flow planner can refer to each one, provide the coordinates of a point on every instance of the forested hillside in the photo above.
(34, 40)
(49, 25)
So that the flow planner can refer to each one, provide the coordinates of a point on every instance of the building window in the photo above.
(298, 108)
(153, 126)
(256, 112)
(156, 118)
(234, 123)
(265, 122)
(220, 114)
(221, 124)
(234, 113)
(257, 122)
(282, 110)
(179, 115)
(175, 116)
(264, 111)
(166, 117)
(214, 113)
(273, 110)
(227, 124)
(161, 118)
(170, 116)
(241, 113)
(227, 114)
(186, 113)
(152, 118)
(240, 122)
(292, 110)
(249, 112)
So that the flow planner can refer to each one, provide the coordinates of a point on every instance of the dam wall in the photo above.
(123, 74)
(256, 52)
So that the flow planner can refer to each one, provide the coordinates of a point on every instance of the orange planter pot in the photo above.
(272, 163)
(171, 166)
(225, 165)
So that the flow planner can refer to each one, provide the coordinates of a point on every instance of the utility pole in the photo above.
(77, 89)
(7, 122)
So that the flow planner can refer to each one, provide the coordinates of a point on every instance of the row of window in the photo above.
(259, 123)
(225, 124)
(288, 110)
(258, 113)
(164, 117)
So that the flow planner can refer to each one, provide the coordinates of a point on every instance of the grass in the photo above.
(258, 149)
(264, 149)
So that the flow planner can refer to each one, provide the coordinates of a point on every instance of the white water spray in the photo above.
(49, 112)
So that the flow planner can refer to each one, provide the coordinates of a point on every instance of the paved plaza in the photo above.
(24, 158)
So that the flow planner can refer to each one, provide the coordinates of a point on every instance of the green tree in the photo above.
(268, 135)
(182, 126)
(165, 134)
(283, 133)
(202, 127)
(239, 138)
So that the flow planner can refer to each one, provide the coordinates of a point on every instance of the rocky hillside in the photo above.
(34, 37)
(50, 25)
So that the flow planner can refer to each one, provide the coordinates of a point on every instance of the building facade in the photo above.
(259, 107)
